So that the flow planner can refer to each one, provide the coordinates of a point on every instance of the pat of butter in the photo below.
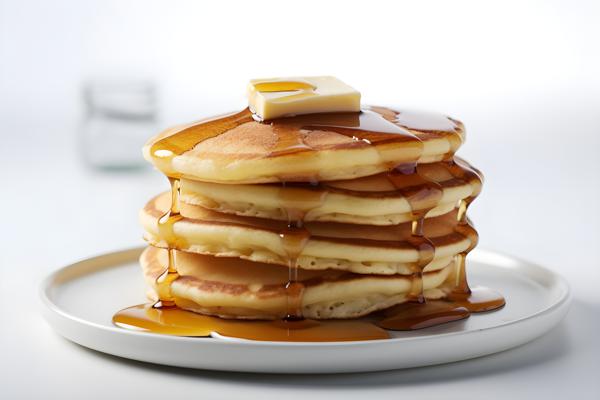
(284, 97)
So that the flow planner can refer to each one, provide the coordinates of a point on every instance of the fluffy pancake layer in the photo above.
(364, 249)
(237, 149)
(372, 200)
(236, 288)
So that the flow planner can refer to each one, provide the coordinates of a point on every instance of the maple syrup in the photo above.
(410, 316)
(178, 322)
(165, 228)
(293, 239)
(481, 298)
(375, 125)
(422, 195)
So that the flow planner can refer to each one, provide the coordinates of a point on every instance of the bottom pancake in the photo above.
(241, 289)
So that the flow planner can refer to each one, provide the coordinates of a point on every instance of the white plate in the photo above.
(80, 299)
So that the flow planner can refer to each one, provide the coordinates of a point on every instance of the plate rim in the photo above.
(51, 279)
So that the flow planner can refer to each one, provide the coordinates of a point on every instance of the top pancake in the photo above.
(317, 147)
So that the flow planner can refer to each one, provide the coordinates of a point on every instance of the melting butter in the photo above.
(283, 97)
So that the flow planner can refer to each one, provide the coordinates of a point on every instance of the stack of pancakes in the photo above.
(320, 216)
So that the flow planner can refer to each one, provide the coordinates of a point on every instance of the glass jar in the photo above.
(120, 117)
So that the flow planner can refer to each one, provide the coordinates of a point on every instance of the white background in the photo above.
(523, 76)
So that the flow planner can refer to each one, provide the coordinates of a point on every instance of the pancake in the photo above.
(363, 249)
(235, 288)
(373, 200)
(318, 147)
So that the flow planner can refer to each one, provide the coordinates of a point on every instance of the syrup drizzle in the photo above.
(422, 195)
(372, 126)
(479, 299)
(294, 239)
(166, 231)
(164, 150)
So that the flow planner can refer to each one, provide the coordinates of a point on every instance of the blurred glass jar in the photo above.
(120, 117)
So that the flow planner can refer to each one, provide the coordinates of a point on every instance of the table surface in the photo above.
(539, 203)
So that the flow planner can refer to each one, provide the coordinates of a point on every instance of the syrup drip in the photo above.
(294, 239)
(165, 228)
(378, 126)
(478, 299)
(426, 251)
(422, 195)
(481, 298)
(372, 126)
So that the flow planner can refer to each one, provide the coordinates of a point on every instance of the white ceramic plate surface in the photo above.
(79, 301)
